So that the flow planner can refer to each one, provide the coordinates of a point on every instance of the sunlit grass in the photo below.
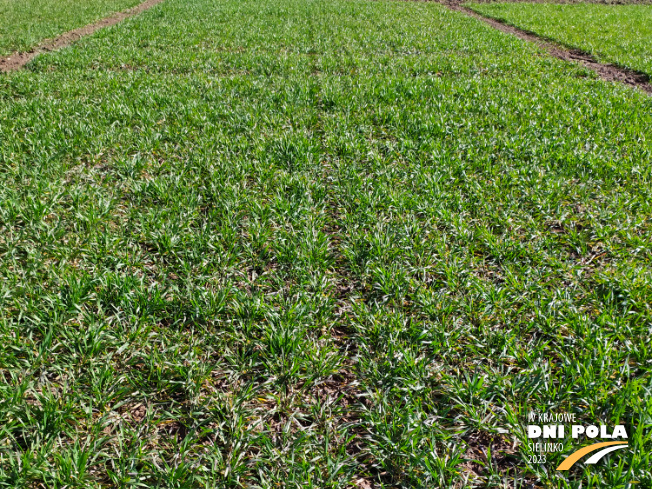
(305, 243)
(25, 23)
(619, 34)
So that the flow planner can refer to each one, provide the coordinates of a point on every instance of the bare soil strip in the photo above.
(605, 71)
(16, 61)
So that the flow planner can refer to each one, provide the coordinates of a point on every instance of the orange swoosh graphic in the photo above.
(575, 456)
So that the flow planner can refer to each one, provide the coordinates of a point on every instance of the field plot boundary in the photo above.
(18, 60)
(605, 71)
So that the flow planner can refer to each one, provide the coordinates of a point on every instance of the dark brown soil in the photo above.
(16, 61)
(605, 71)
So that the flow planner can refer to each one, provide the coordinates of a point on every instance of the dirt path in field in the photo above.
(605, 71)
(16, 61)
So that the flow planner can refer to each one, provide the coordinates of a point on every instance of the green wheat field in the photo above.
(318, 244)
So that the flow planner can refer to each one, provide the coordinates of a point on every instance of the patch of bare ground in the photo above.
(16, 61)
(605, 71)
(490, 449)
